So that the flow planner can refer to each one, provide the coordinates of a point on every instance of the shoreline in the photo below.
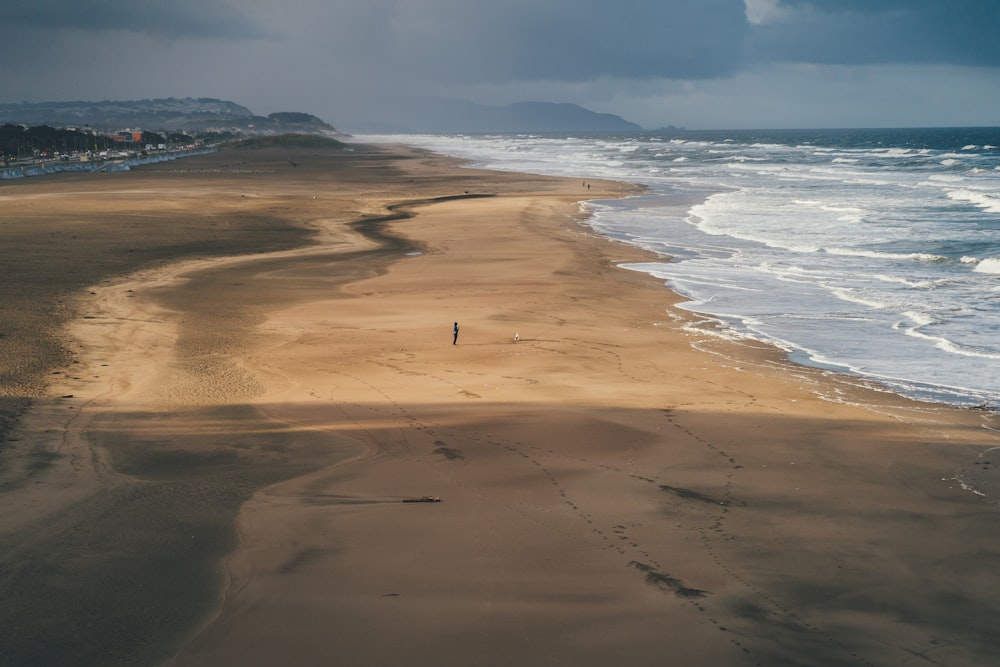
(853, 342)
(601, 472)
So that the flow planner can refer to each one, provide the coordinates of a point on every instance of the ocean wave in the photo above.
(983, 200)
(912, 284)
(866, 299)
(991, 266)
(876, 254)
(951, 346)
(896, 152)
(921, 319)
(846, 213)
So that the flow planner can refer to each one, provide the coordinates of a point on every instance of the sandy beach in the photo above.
(223, 377)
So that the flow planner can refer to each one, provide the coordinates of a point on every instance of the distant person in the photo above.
(454, 331)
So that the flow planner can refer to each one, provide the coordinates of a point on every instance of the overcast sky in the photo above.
(694, 63)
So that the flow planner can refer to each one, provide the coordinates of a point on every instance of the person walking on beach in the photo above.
(454, 331)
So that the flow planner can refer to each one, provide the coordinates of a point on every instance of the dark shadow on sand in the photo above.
(125, 575)
(122, 576)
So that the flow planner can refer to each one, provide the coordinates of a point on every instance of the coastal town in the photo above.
(49, 138)
(30, 151)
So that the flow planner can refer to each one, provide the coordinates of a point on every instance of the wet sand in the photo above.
(240, 365)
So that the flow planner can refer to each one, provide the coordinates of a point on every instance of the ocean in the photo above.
(875, 253)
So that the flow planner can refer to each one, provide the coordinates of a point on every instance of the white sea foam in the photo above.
(875, 254)
(906, 282)
(991, 266)
(868, 299)
(920, 319)
(894, 152)
(984, 200)
(952, 347)
(846, 213)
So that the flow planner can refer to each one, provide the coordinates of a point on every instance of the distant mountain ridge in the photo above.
(186, 114)
(205, 114)
(432, 115)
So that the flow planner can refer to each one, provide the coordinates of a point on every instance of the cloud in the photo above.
(567, 40)
(876, 32)
(812, 96)
(207, 19)
(654, 58)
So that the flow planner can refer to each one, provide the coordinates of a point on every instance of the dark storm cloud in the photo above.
(571, 41)
(578, 40)
(203, 19)
(724, 58)
(456, 42)
(503, 41)
(867, 32)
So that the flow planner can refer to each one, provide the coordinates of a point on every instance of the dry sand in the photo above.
(240, 365)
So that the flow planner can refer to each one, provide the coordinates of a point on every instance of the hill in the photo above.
(199, 116)
(449, 116)
(193, 115)
(289, 141)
